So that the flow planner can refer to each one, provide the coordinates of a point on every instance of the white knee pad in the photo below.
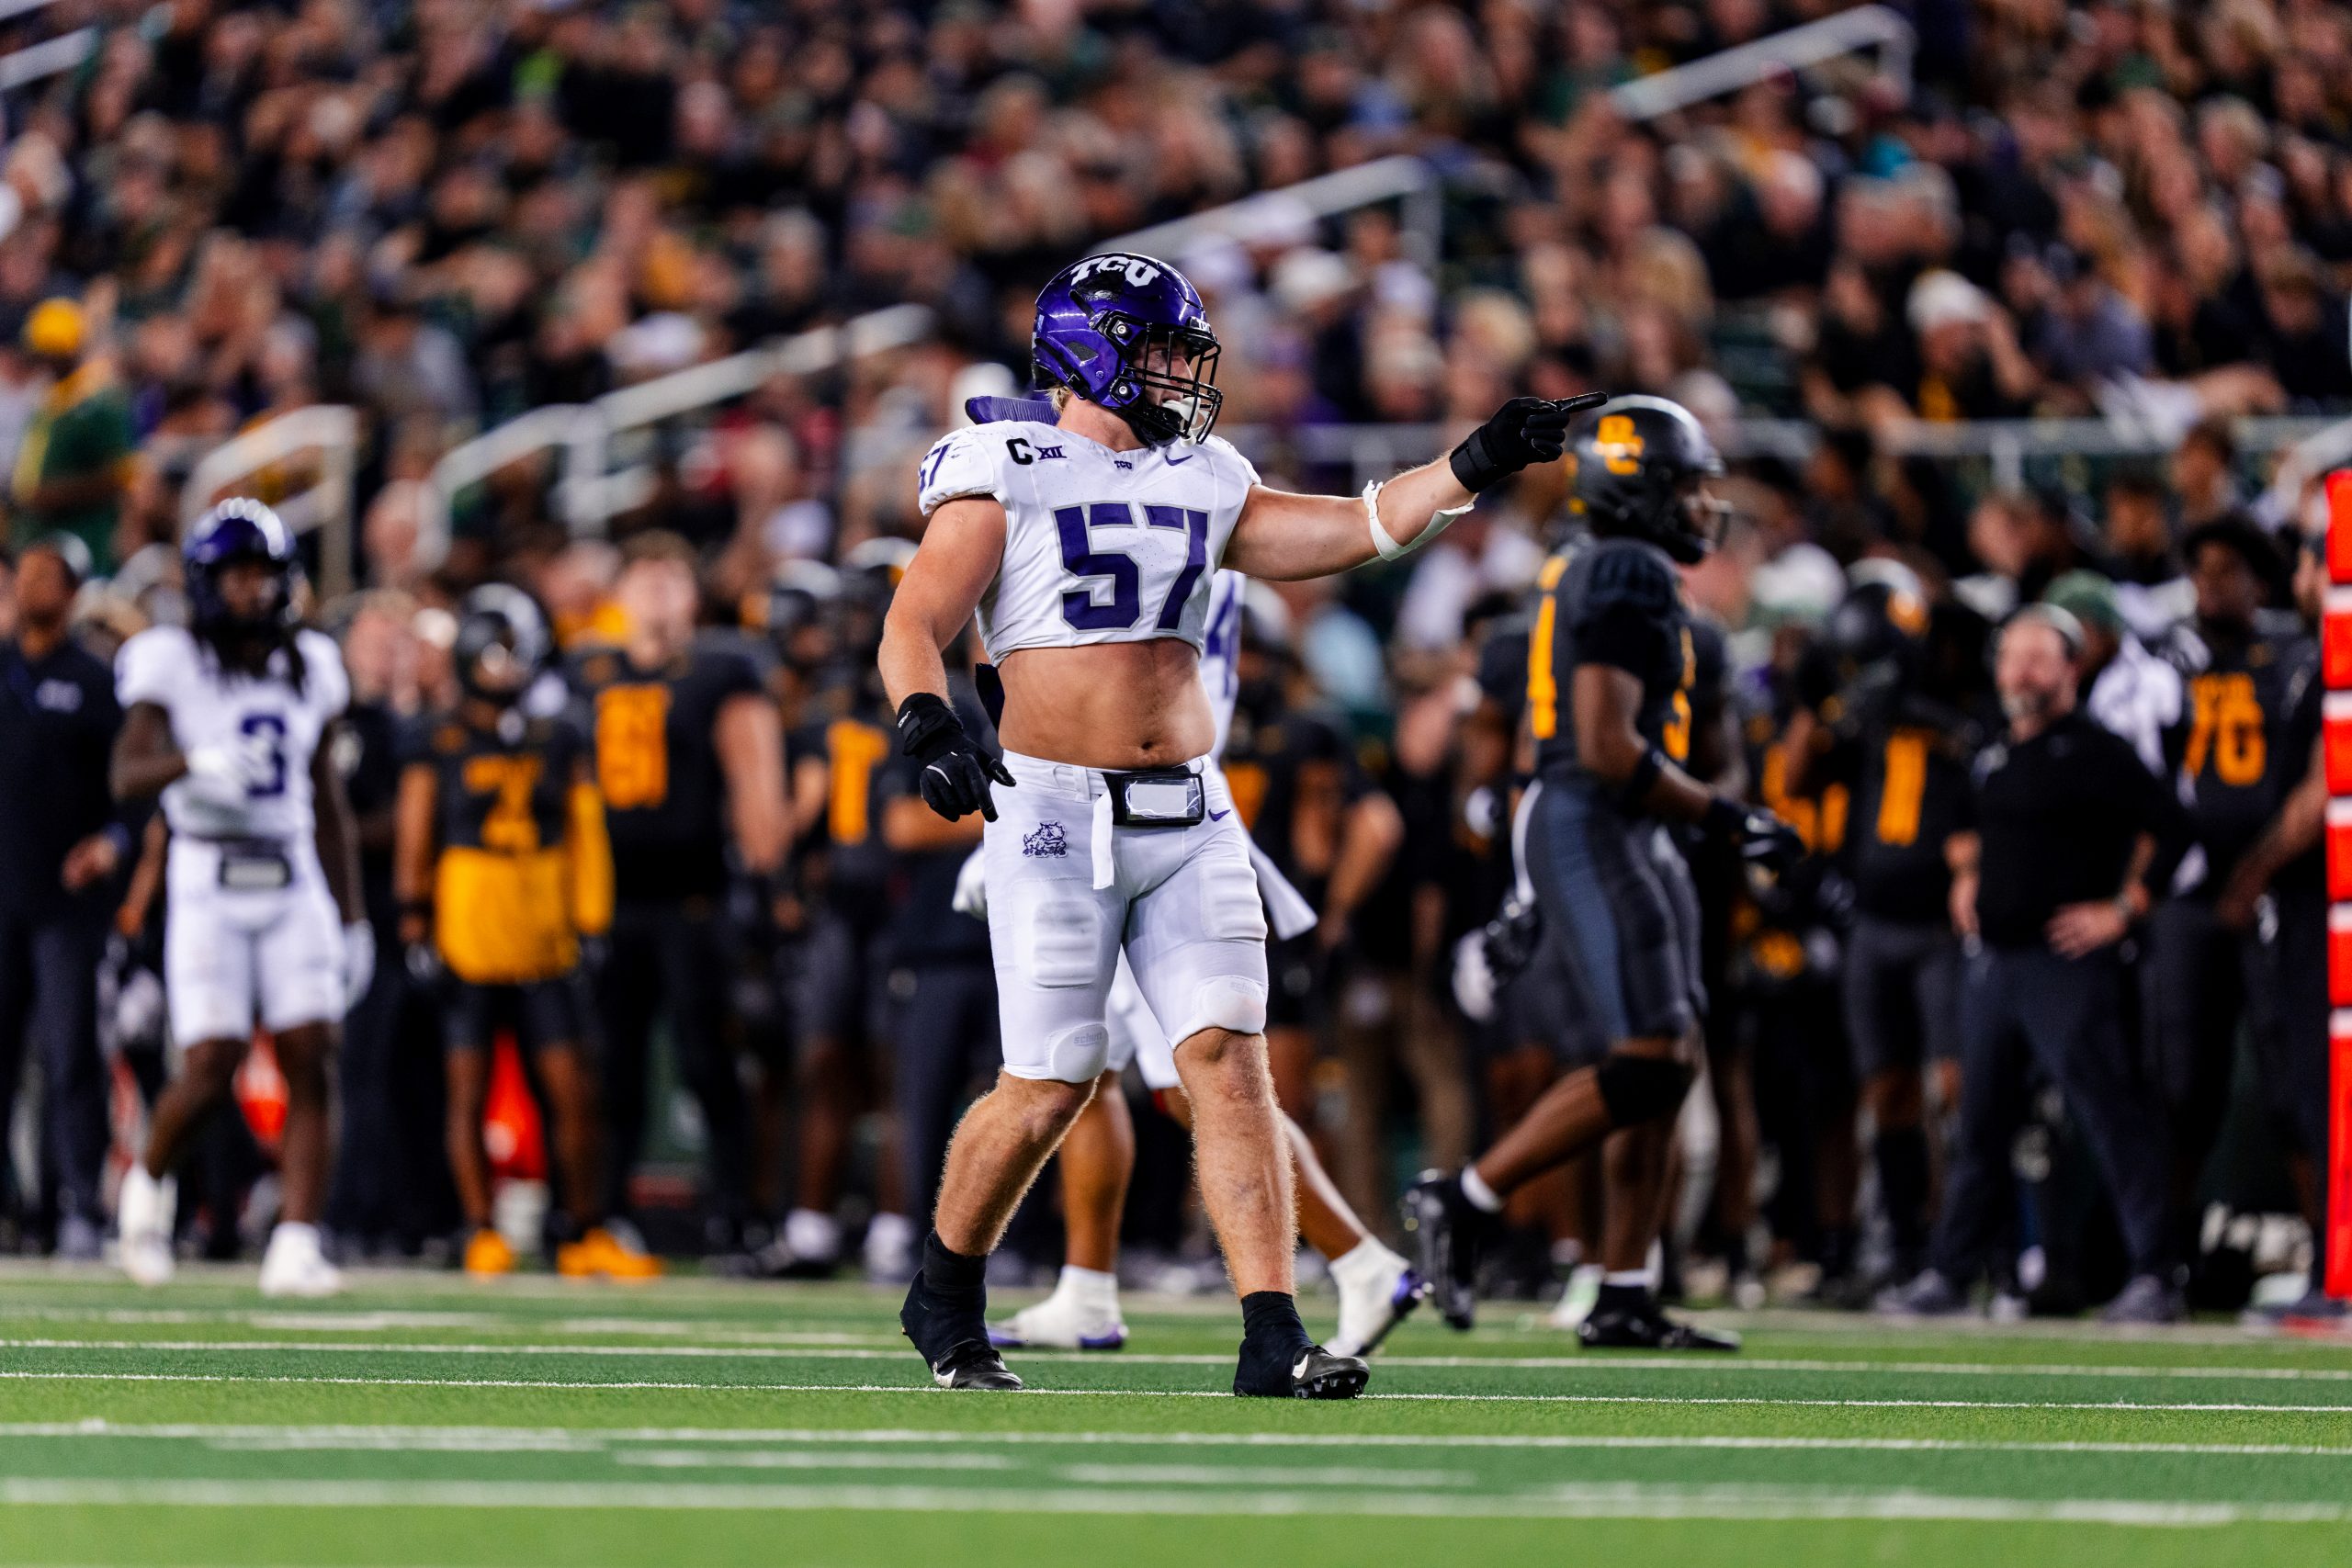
(1075, 1054)
(1224, 1001)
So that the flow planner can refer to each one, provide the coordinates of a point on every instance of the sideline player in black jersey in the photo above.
(689, 758)
(501, 862)
(2287, 868)
(1871, 719)
(1609, 664)
(845, 871)
(2229, 764)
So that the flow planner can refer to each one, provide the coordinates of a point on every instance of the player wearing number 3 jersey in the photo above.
(228, 718)
(1083, 533)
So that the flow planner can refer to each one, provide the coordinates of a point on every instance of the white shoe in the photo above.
(890, 1242)
(295, 1267)
(1377, 1289)
(144, 1218)
(1062, 1322)
(814, 1238)
(1576, 1303)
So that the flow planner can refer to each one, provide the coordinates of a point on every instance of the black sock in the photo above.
(1621, 1298)
(951, 1275)
(1271, 1318)
(1902, 1154)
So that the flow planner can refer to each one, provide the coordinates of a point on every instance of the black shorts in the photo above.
(1296, 975)
(541, 1013)
(840, 990)
(1902, 994)
(1617, 896)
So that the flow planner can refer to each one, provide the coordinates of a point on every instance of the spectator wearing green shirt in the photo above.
(74, 464)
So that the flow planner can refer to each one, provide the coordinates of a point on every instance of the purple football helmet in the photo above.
(237, 529)
(1129, 334)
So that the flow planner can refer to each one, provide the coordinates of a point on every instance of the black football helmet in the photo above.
(799, 611)
(1883, 618)
(870, 576)
(502, 643)
(1638, 463)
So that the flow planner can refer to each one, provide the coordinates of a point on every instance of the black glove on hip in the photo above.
(1763, 839)
(1523, 431)
(955, 772)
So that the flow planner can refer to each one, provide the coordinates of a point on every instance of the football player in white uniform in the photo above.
(228, 719)
(1085, 546)
(1378, 1287)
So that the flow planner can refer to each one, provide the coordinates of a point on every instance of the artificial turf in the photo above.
(424, 1419)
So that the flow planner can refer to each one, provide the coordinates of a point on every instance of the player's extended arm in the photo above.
(335, 829)
(1606, 701)
(749, 735)
(1284, 537)
(961, 550)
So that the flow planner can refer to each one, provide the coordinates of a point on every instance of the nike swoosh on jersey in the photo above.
(1220, 816)
(1186, 458)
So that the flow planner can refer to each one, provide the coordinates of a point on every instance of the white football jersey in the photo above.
(1099, 546)
(1221, 654)
(208, 705)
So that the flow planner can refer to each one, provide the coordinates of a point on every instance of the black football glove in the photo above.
(1524, 431)
(955, 772)
(1510, 938)
(1762, 839)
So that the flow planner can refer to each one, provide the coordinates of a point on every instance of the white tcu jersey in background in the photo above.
(1099, 546)
(1221, 654)
(208, 705)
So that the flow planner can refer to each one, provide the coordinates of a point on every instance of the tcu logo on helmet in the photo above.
(1141, 271)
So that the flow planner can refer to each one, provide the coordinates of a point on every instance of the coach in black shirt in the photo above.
(2066, 818)
(60, 848)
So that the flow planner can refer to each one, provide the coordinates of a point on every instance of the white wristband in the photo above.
(1384, 543)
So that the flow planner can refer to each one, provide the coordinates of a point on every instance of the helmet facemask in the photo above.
(1167, 390)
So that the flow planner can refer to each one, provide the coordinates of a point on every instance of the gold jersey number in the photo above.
(856, 749)
(510, 827)
(2227, 729)
(632, 746)
(1904, 788)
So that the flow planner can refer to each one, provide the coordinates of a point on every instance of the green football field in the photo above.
(424, 1420)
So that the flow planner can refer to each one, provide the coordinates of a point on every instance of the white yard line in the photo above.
(802, 1458)
(1577, 1363)
(575, 1440)
(1626, 1501)
(557, 1385)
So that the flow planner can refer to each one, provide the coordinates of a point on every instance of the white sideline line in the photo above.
(578, 1439)
(1626, 1501)
(1580, 1362)
(551, 1386)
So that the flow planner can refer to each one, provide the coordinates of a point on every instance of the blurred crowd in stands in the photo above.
(447, 213)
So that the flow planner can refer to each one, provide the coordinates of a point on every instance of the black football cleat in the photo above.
(1312, 1373)
(973, 1363)
(953, 1338)
(1441, 1228)
(1646, 1328)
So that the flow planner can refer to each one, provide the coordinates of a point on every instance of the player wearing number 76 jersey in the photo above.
(1083, 536)
(228, 718)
